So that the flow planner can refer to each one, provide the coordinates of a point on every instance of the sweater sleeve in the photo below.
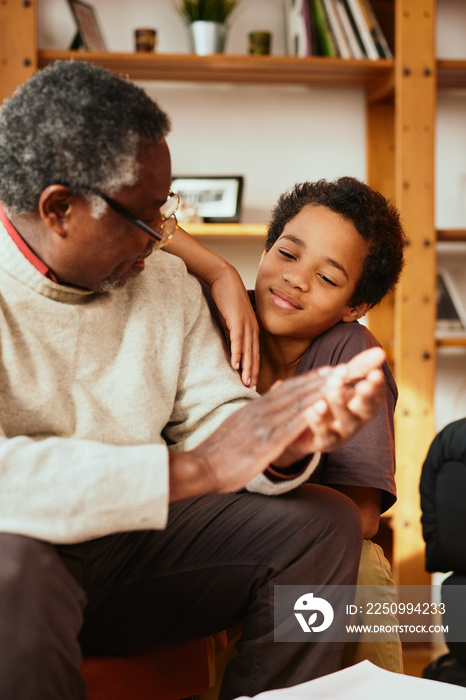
(269, 487)
(209, 389)
(113, 488)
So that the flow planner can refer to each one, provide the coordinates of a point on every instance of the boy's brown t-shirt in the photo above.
(369, 458)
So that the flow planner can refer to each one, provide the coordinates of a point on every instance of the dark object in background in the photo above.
(442, 487)
(259, 43)
(145, 39)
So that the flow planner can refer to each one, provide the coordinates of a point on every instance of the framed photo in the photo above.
(89, 35)
(216, 198)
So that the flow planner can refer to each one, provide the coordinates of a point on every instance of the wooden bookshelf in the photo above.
(407, 142)
(377, 77)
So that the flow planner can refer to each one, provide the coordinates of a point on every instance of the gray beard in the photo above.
(110, 286)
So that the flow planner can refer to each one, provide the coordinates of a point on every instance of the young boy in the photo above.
(333, 250)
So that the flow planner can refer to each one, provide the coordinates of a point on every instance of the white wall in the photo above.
(278, 135)
(272, 135)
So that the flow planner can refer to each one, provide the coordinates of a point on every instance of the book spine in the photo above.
(354, 28)
(363, 29)
(376, 31)
(313, 29)
(355, 49)
(339, 36)
(323, 30)
(310, 39)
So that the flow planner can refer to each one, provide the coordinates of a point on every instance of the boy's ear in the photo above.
(356, 312)
(264, 253)
(54, 208)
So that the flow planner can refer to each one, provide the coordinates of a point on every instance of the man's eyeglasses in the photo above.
(163, 233)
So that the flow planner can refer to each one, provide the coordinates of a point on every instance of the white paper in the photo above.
(365, 681)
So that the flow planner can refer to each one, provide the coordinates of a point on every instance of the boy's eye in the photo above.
(328, 280)
(286, 254)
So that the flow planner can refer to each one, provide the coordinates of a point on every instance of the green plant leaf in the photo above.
(206, 10)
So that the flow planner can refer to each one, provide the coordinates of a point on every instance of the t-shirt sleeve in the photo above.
(368, 460)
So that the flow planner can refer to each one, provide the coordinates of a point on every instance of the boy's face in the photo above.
(306, 280)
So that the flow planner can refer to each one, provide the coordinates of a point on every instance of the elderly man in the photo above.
(126, 440)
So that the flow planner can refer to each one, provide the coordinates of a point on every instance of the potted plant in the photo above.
(207, 23)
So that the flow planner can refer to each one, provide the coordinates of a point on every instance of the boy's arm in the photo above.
(229, 294)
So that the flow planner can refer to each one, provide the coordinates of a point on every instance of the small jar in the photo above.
(145, 39)
(259, 43)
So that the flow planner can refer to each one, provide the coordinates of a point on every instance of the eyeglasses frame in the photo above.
(160, 239)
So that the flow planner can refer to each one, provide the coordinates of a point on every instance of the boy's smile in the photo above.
(284, 301)
(307, 279)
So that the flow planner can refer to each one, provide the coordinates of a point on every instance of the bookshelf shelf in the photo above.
(456, 342)
(375, 76)
(451, 73)
(452, 235)
(285, 70)
(315, 70)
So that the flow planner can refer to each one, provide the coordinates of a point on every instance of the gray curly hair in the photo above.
(73, 123)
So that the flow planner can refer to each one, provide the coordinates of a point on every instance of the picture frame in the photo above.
(88, 35)
(217, 198)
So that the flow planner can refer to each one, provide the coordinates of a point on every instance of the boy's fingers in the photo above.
(246, 358)
(352, 408)
(236, 346)
(368, 393)
(244, 352)
(252, 346)
(360, 365)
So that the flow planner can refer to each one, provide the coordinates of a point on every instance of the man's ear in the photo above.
(54, 208)
(356, 312)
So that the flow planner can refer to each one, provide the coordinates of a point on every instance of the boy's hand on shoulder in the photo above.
(239, 321)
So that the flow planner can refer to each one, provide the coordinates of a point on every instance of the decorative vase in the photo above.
(207, 37)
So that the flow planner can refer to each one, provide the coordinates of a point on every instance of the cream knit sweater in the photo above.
(93, 387)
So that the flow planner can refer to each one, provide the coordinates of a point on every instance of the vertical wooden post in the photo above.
(18, 44)
(415, 307)
(380, 150)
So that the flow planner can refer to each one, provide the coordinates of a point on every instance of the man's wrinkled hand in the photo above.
(316, 411)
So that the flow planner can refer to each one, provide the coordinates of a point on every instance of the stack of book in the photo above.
(336, 28)
(451, 308)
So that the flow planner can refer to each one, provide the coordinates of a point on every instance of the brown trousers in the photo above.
(215, 565)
